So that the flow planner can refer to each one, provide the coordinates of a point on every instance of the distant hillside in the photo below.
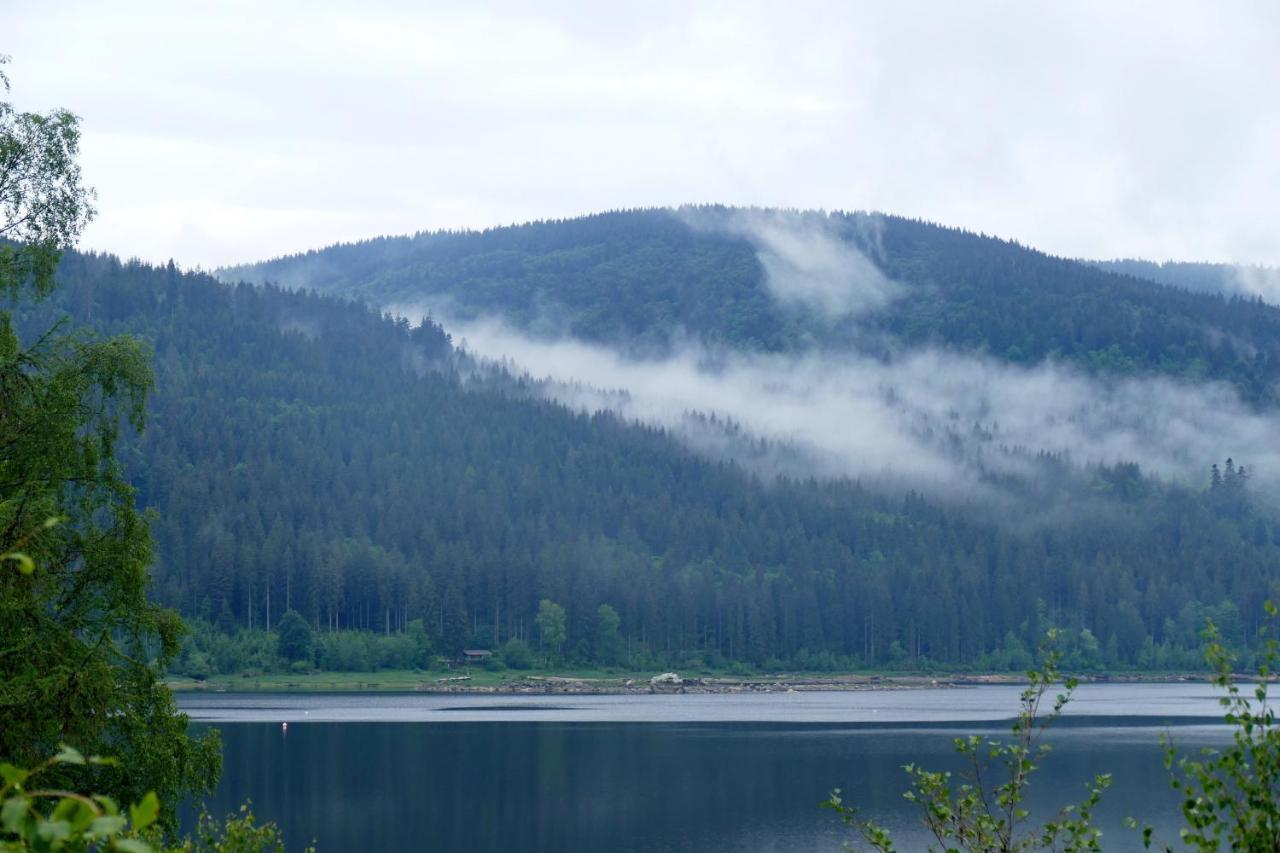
(647, 278)
(1246, 282)
(306, 452)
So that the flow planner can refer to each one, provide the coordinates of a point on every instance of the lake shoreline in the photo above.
(486, 683)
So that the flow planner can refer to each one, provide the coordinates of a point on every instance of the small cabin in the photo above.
(476, 655)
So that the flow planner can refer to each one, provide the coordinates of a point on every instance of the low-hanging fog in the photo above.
(934, 419)
(929, 417)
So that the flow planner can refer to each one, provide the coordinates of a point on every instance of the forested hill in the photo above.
(1245, 281)
(648, 277)
(304, 452)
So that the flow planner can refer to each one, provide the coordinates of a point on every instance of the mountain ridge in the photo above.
(305, 452)
(644, 280)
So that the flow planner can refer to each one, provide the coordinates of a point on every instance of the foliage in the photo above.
(236, 833)
(293, 640)
(81, 646)
(208, 650)
(1231, 797)
(608, 647)
(37, 818)
(43, 204)
(551, 626)
(650, 279)
(419, 645)
(516, 654)
(306, 453)
(45, 819)
(983, 814)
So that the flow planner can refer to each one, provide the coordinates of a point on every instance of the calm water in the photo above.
(660, 773)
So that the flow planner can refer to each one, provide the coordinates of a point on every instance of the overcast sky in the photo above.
(223, 132)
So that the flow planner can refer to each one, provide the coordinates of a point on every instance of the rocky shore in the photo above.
(674, 683)
(480, 682)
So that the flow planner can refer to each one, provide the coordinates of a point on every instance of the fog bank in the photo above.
(935, 419)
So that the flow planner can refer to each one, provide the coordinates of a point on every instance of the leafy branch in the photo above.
(969, 814)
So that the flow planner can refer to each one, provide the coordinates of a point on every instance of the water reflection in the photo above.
(638, 787)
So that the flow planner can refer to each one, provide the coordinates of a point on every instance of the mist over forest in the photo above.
(645, 427)
(793, 439)
(831, 354)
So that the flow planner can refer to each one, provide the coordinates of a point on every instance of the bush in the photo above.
(517, 654)
(36, 819)
(199, 666)
(395, 651)
(345, 651)
(986, 811)
(421, 643)
(293, 638)
(1228, 796)
(226, 655)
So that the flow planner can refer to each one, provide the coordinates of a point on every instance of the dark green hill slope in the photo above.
(306, 452)
(1230, 280)
(648, 277)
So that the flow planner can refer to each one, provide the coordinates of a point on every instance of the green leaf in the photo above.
(25, 564)
(106, 826)
(54, 831)
(131, 845)
(68, 755)
(13, 775)
(104, 760)
(12, 813)
(145, 813)
(66, 809)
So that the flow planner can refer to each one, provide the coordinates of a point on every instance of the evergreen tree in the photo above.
(308, 451)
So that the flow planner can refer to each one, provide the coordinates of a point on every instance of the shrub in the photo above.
(1230, 798)
(199, 666)
(517, 654)
(33, 818)
(972, 816)
(293, 638)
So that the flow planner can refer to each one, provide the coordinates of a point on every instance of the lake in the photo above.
(663, 773)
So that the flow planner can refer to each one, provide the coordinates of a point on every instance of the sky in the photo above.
(223, 132)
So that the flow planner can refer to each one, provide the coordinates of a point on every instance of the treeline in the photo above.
(304, 453)
(650, 278)
(1247, 281)
(211, 650)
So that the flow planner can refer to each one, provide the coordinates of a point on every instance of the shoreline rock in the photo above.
(671, 683)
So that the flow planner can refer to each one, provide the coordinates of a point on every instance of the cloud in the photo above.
(807, 262)
(938, 420)
(1259, 281)
(221, 133)
(935, 420)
